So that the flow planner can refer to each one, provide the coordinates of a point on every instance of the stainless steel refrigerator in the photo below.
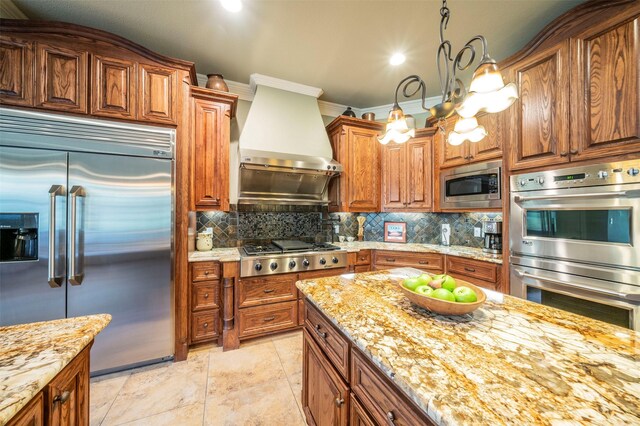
(86, 223)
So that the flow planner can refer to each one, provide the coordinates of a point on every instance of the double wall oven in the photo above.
(575, 240)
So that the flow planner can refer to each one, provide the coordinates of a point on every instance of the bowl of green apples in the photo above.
(443, 294)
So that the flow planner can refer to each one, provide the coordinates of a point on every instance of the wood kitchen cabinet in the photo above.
(605, 78)
(212, 113)
(32, 414)
(16, 71)
(158, 86)
(478, 272)
(113, 81)
(407, 174)
(61, 77)
(205, 313)
(355, 146)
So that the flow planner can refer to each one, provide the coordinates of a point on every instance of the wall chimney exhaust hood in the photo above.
(284, 151)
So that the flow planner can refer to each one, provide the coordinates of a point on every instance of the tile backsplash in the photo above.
(237, 228)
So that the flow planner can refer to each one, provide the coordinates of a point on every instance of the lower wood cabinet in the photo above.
(387, 259)
(62, 402)
(483, 274)
(205, 314)
(325, 395)
(261, 320)
(358, 416)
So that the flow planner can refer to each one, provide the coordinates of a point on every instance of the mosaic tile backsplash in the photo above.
(237, 228)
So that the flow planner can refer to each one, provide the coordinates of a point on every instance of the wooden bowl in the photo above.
(445, 307)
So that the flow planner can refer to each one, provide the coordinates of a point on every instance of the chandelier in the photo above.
(487, 92)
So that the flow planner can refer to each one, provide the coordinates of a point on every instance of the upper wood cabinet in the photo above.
(212, 112)
(355, 146)
(158, 86)
(605, 107)
(450, 155)
(61, 78)
(407, 175)
(16, 71)
(541, 113)
(113, 82)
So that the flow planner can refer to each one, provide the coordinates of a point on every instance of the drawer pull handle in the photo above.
(390, 260)
(339, 401)
(363, 258)
(391, 418)
(469, 269)
(271, 318)
(206, 295)
(61, 399)
(424, 262)
(205, 325)
(269, 290)
(320, 333)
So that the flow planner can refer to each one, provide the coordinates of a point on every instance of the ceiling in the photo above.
(342, 47)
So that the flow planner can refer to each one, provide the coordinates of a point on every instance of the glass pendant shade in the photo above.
(466, 129)
(397, 129)
(487, 92)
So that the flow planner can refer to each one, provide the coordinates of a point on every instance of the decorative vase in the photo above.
(204, 242)
(216, 82)
(349, 112)
(371, 116)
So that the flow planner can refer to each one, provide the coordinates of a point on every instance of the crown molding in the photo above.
(9, 10)
(277, 83)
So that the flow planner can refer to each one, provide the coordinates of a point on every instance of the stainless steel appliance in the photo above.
(492, 237)
(282, 256)
(93, 201)
(473, 186)
(575, 240)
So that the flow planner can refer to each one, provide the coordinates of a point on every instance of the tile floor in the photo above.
(258, 384)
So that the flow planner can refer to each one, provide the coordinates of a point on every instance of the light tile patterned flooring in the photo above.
(259, 384)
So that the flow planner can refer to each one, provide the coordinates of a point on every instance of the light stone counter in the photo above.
(217, 254)
(509, 362)
(462, 251)
(31, 355)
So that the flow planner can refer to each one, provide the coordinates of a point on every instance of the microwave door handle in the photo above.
(627, 296)
(626, 194)
(53, 280)
(75, 278)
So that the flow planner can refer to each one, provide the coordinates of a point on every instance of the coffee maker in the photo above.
(492, 237)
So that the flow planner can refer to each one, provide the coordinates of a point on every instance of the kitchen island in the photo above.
(509, 362)
(44, 368)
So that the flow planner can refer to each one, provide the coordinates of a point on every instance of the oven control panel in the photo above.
(572, 177)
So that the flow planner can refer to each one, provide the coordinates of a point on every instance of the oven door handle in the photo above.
(626, 194)
(628, 296)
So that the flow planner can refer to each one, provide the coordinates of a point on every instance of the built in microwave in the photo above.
(474, 186)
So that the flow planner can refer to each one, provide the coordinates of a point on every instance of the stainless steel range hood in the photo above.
(284, 151)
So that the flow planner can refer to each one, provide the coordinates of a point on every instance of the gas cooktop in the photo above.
(286, 246)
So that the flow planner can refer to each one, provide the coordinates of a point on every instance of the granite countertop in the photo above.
(509, 362)
(31, 355)
(462, 251)
(233, 254)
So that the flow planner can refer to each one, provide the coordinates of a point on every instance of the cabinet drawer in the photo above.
(205, 295)
(424, 261)
(363, 257)
(361, 268)
(472, 269)
(259, 320)
(202, 271)
(358, 416)
(380, 400)
(205, 325)
(260, 291)
(329, 339)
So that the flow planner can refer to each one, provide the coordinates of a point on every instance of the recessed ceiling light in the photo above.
(397, 59)
(232, 5)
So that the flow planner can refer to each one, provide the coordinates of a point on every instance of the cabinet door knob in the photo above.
(205, 325)
(339, 401)
(573, 151)
(62, 398)
(391, 418)
(320, 333)
(206, 295)
(564, 154)
(206, 272)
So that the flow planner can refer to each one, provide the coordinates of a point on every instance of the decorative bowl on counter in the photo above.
(445, 307)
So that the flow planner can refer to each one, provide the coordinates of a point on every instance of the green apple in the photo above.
(425, 290)
(425, 279)
(448, 282)
(412, 283)
(444, 294)
(436, 283)
(465, 295)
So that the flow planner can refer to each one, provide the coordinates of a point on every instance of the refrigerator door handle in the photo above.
(54, 280)
(75, 278)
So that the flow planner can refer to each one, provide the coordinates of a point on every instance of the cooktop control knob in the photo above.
(273, 266)
(602, 174)
(540, 180)
(292, 264)
(305, 262)
(523, 182)
(334, 260)
(633, 172)
(323, 261)
(258, 266)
